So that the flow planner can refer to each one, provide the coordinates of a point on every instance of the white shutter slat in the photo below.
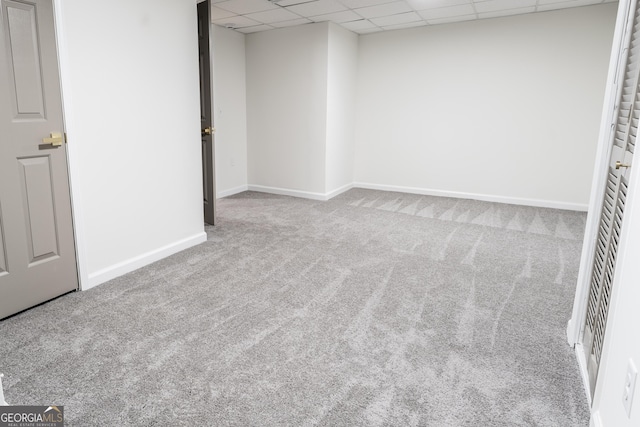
(599, 270)
(605, 298)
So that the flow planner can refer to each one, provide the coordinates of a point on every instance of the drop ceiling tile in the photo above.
(383, 9)
(452, 19)
(447, 12)
(498, 5)
(400, 18)
(368, 30)
(507, 12)
(406, 25)
(242, 7)
(338, 17)
(543, 6)
(362, 24)
(270, 16)
(217, 13)
(292, 23)
(355, 4)
(255, 29)
(435, 4)
(236, 22)
(319, 7)
(545, 2)
(291, 2)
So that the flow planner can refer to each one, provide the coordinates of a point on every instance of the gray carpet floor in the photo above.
(371, 309)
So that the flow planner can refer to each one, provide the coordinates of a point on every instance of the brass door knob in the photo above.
(55, 140)
(621, 165)
(209, 131)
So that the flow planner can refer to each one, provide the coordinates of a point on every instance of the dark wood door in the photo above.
(206, 115)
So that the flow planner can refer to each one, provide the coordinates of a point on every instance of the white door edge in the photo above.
(595, 421)
(72, 147)
(584, 373)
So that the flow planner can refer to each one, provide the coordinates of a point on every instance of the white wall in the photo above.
(131, 98)
(230, 110)
(341, 100)
(287, 108)
(507, 108)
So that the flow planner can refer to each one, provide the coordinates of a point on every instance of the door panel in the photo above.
(23, 55)
(206, 115)
(37, 249)
(37, 193)
(205, 181)
(3, 249)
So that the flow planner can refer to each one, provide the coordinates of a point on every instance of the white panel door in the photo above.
(37, 251)
(614, 198)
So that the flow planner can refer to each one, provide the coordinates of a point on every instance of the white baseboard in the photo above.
(571, 333)
(140, 261)
(596, 421)
(302, 194)
(338, 191)
(231, 191)
(287, 192)
(474, 196)
(582, 366)
(2, 401)
(415, 190)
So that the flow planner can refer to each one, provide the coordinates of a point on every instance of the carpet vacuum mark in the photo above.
(371, 309)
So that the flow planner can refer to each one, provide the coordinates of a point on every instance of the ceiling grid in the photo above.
(369, 16)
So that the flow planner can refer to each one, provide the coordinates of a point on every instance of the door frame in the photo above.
(575, 326)
(72, 154)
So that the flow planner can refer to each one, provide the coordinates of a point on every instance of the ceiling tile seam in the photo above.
(475, 11)
(393, 14)
(290, 11)
(418, 11)
(378, 4)
(287, 9)
(369, 21)
(313, 18)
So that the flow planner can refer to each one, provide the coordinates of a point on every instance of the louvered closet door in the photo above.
(624, 139)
